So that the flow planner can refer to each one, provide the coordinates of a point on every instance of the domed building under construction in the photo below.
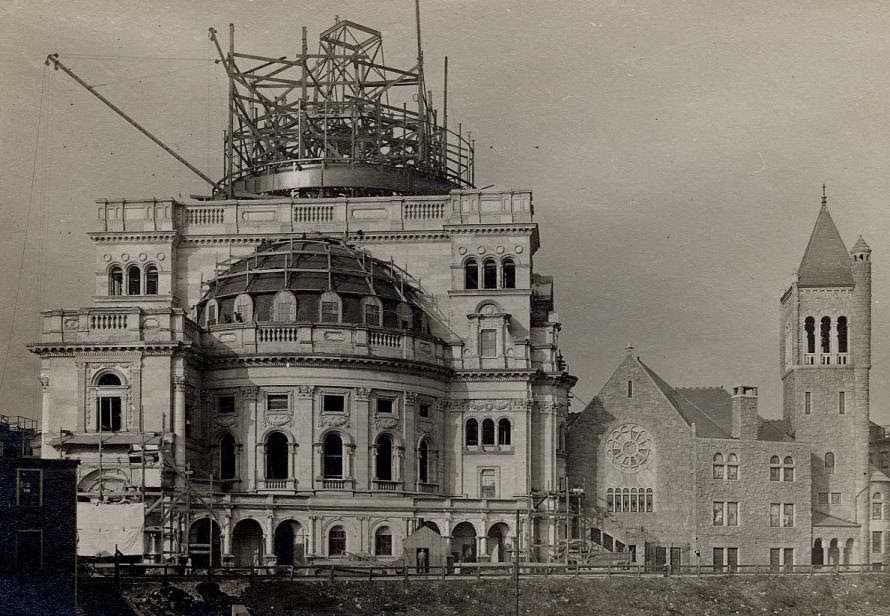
(344, 342)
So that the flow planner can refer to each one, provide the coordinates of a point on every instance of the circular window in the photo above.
(629, 447)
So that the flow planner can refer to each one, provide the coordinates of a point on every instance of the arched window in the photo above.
(508, 273)
(134, 281)
(504, 431)
(383, 462)
(842, 334)
(372, 311)
(109, 403)
(788, 469)
(810, 327)
(633, 500)
(383, 541)
(488, 431)
(472, 432)
(625, 500)
(333, 456)
(109, 380)
(610, 500)
(276, 456)
(829, 463)
(151, 280)
(284, 307)
(227, 457)
(877, 506)
(329, 307)
(775, 469)
(825, 332)
(243, 309)
(471, 274)
(719, 466)
(649, 500)
(423, 462)
(489, 274)
(336, 541)
(116, 281)
(732, 467)
(210, 313)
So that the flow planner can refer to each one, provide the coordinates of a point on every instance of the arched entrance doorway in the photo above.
(290, 543)
(247, 543)
(833, 553)
(463, 542)
(433, 527)
(848, 551)
(497, 535)
(204, 542)
(818, 553)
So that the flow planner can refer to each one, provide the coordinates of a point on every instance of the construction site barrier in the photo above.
(382, 571)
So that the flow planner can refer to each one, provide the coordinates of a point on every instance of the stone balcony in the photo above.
(116, 325)
(826, 359)
(324, 339)
(337, 215)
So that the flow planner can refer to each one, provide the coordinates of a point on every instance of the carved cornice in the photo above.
(304, 391)
(362, 394)
(314, 361)
(397, 236)
(249, 392)
(180, 382)
(132, 236)
(526, 228)
(102, 349)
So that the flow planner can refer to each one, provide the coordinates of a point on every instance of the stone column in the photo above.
(398, 456)
(226, 558)
(259, 452)
(406, 462)
(248, 395)
(179, 425)
(362, 416)
(292, 464)
(46, 450)
(269, 557)
(304, 430)
(313, 536)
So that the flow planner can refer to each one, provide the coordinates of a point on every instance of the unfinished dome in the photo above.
(312, 280)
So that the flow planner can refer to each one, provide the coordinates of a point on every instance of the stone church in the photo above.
(694, 476)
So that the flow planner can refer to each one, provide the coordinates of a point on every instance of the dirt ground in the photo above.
(848, 595)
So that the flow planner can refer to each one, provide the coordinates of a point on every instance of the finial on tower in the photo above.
(824, 197)
(629, 348)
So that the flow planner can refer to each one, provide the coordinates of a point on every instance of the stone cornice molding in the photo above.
(101, 350)
(527, 228)
(312, 361)
(132, 236)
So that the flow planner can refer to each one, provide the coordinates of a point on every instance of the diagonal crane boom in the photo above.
(53, 59)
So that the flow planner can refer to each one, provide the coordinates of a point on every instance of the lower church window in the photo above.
(109, 414)
(630, 500)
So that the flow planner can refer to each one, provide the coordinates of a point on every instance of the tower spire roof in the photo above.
(826, 262)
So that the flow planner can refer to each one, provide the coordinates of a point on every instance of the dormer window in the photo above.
(372, 312)
(330, 307)
(243, 309)
(284, 307)
(210, 313)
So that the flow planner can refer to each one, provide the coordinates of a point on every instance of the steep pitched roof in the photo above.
(705, 425)
(774, 430)
(826, 262)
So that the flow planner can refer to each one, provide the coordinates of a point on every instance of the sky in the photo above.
(676, 152)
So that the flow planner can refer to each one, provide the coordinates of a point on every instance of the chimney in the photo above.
(745, 422)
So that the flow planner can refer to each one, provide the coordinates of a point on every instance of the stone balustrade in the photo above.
(116, 325)
(335, 215)
(324, 338)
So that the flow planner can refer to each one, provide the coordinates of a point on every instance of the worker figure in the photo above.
(422, 561)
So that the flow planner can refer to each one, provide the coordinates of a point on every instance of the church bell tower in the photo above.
(825, 363)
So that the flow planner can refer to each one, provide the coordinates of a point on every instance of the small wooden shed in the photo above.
(427, 539)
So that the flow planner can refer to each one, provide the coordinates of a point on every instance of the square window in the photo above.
(384, 406)
(877, 511)
(775, 511)
(718, 514)
(877, 539)
(372, 314)
(488, 343)
(30, 488)
(835, 498)
(823, 498)
(774, 473)
(225, 405)
(788, 474)
(788, 515)
(488, 482)
(333, 403)
(424, 410)
(732, 514)
(109, 414)
(732, 472)
(277, 403)
(885, 459)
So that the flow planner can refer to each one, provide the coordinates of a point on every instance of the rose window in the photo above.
(629, 447)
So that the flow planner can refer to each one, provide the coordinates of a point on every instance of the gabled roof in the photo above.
(823, 519)
(774, 430)
(826, 262)
(705, 424)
